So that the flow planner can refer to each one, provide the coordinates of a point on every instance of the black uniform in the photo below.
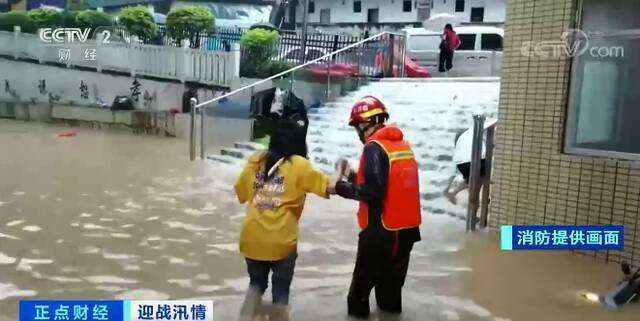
(383, 256)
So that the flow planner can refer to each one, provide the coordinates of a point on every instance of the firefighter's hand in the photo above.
(331, 188)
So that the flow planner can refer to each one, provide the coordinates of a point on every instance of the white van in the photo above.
(479, 54)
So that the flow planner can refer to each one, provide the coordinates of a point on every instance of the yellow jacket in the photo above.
(270, 228)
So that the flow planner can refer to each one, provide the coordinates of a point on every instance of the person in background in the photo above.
(389, 216)
(448, 45)
(191, 92)
(274, 185)
(462, 158)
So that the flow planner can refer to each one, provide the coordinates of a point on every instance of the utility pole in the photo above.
(303, 35)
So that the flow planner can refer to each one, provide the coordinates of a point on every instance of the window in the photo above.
(467, 42)
(477, 14)
(491, 41)
(424, 42)
(312, 6)
(406, 5)
(325, 16)
(357, 6)
(459, 5)
(372, 16)
(603, 114)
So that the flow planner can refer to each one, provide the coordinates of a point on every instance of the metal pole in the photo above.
(389, 71)
(202, 131)
(404, 56)
(359, 53)
(192, 131)
(328, 79)
(486, 182)
(253, 120)
(303, 35)
(474, 176)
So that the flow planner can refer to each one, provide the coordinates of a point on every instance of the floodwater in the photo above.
(112, 215)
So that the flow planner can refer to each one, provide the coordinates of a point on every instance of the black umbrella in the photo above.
(265, 25)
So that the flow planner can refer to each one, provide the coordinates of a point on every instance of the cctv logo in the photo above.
(64, 35)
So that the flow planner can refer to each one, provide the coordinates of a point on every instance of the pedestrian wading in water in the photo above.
(389, 214)
(274, 185)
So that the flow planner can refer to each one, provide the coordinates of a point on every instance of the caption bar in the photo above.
(562, 237)
(53, 310)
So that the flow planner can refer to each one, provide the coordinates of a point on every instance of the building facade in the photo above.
(396, 14)
(568, 144)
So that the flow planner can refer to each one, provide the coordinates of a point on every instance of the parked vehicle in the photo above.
(479, 55)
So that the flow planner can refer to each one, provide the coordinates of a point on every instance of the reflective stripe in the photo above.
(400, 155)
(370, 113)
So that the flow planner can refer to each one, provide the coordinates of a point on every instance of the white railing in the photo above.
(183, 64)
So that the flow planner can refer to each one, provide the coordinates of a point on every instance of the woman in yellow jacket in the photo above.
(275, 184)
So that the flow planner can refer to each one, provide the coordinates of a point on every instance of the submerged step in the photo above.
(250, 146)
(225, 159)
(236, 152)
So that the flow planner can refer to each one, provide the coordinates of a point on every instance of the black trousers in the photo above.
(446, 59)
(381, 263)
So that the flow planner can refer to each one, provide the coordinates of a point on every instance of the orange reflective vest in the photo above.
(401, 205)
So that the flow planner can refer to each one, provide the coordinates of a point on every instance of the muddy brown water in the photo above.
(112, 215)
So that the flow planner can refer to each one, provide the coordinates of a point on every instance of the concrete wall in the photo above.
(535, 182)
(43, 84)
(494, 10)
(34, 83)
(342, 11)
(391, 11)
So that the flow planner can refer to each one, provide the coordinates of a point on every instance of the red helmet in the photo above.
(364, 109)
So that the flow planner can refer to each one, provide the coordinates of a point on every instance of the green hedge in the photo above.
(187, 21)
(138, 21)
(258, 47)
(30, 21)
(93, 19)
(68, 19)
(45, 18)
(17, 18)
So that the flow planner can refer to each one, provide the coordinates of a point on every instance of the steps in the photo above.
(429, 113)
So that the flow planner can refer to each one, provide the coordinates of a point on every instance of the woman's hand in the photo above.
(342, 168)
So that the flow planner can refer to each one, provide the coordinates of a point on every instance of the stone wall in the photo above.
(25, 82)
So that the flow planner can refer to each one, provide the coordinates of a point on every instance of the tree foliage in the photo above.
(93, 19)
(138, 21)
(45, 18)
(187, 21)
(16, 18)
(77, 5)
(258, 46)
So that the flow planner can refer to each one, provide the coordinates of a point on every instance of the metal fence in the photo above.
(221, 39)
(333, 80)
(379, 57)
(218, 39)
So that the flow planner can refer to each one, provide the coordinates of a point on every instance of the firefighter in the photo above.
(389, 216)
